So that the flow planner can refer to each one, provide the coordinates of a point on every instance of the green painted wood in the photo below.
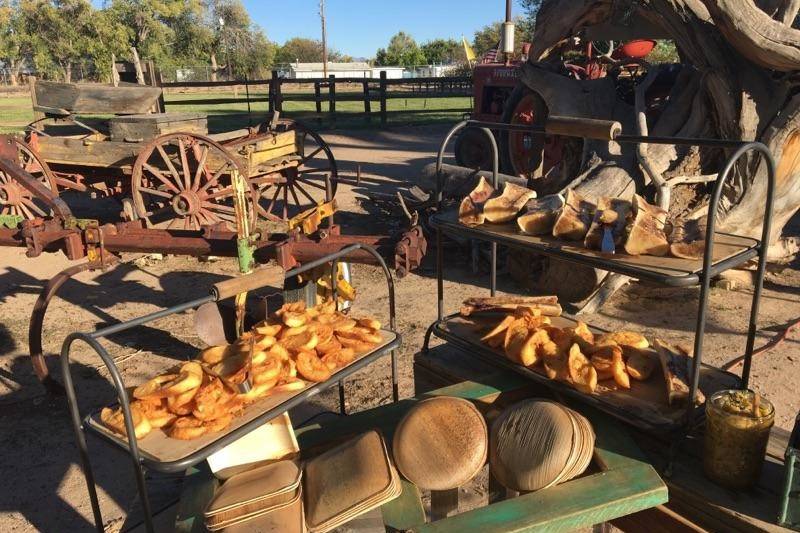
(576, 504)
(198, 489)
(406, 511)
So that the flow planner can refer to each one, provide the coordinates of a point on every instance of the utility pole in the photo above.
(324, 39)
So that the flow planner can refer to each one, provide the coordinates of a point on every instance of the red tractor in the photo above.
(499, 96)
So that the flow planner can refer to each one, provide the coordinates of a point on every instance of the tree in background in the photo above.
(14, 42)
(489, 36)
(527, 22)
(442, 51)
(59, 33)
(401, 51)
(246, 49)
(303, 50)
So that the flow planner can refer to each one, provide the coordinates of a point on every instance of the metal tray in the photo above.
(166, 454)
(643, 406)
(729, 252)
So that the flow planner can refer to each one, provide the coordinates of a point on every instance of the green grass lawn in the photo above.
(15, 111)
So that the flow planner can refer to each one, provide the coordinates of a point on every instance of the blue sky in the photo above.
(359, 27)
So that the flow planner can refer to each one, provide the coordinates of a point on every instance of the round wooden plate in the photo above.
(441, 443)
(532, 444)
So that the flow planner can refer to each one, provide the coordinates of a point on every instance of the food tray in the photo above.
(644, 405)
(729, 251)
(166, 454)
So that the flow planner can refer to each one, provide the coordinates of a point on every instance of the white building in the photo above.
(299, 70)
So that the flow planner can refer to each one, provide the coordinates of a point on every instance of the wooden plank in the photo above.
(218, 101)
(658, 519)
(572, 505)
(332, 98)
(382, 93)
(92, 98)
(92, 154)
(37, 115)
(317, 97)
(405, 511)
(198, 489)
(367, 103)
(224, 83)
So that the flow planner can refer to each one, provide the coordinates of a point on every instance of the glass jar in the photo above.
(738, 423)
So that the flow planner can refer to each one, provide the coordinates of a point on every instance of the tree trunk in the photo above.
(13, 72)
(213, 66)
(738, 81)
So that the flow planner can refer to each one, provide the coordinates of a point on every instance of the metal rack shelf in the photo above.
(643, 406)
(722, 251)
(163, 454)
(254, 416)
(730, 251)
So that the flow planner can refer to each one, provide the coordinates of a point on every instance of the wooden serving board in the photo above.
(645, 400)
(157, 446)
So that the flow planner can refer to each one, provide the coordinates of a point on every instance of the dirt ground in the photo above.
(43, 488)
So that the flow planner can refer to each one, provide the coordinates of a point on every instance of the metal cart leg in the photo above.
(395, 385)
(80, 436)
(83, 451)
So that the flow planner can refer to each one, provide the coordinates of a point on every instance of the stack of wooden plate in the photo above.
(536, 444)
(271, 492)
(348, 481)
(441, 443)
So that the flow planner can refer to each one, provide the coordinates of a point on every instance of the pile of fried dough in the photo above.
(281, 354)
(573, 355)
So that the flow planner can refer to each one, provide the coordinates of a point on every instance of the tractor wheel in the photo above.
(535, 156)
(473, 150)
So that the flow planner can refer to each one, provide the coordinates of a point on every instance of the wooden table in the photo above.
(621, 483)
(695, 503)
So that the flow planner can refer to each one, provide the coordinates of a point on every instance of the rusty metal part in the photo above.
(409, 251)
(310, 220)
(297, 248)
(133, 237)
(37, 320)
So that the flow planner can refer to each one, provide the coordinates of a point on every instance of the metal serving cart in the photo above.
(181, 455)
(722, 252)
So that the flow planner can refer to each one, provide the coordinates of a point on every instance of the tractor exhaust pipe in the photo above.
(508, 34)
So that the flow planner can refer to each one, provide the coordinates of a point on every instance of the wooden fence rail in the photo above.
(371, 90)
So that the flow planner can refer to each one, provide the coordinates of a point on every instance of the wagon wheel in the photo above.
(302, 186)
(184, 182)
(16, 199)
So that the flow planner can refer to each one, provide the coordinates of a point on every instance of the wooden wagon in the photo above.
(164, 167)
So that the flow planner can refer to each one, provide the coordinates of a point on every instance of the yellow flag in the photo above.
(468, 51)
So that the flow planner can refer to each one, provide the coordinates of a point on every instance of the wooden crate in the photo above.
(143, 128)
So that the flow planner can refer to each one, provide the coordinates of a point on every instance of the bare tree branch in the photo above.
(766, 42)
